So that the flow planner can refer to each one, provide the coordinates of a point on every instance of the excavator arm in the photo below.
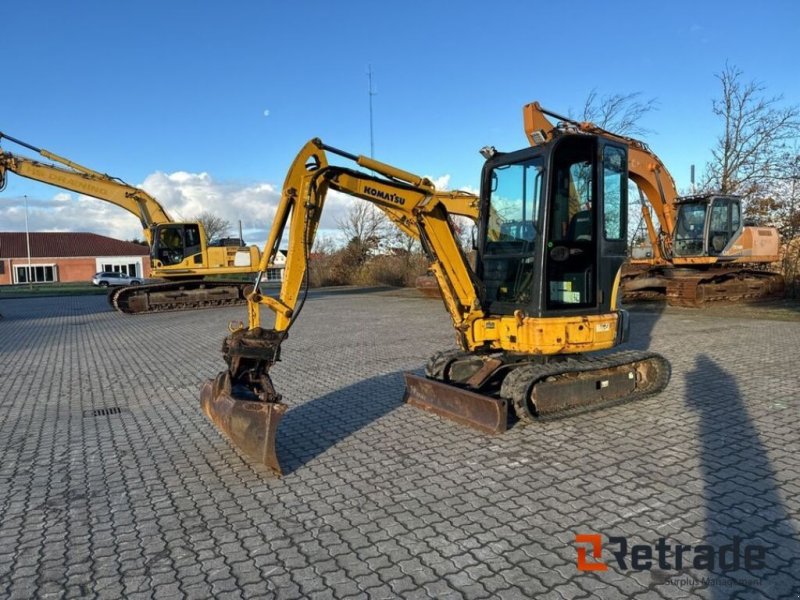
(242, 400)
(80, 179)
(411, 202)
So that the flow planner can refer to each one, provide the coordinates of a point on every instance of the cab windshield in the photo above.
(514, 207)
(689, 229)
(511, 231)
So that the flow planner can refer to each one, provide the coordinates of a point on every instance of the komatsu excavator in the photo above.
(552, 238)
(179, 252)
(703, 252)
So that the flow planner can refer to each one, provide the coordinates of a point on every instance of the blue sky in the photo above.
(144, 90)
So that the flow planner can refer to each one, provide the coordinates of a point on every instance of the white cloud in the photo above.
(441, 183)
(184, 195)
(68, 212)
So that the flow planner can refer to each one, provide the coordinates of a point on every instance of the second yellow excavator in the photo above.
(551, 240)
(179, 252)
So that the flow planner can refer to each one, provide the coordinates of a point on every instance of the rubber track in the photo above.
(437, 364)
(119, 298)
(519, 382)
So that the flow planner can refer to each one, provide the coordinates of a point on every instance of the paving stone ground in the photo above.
(381, 500)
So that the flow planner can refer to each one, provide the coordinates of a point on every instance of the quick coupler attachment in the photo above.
(242, 401)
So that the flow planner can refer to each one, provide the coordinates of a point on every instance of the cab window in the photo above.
(514, 203)
(192, 237)
(614, 176)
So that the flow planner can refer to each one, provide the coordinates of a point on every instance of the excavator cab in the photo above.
(173, 243)
(706, 225)
(554, 235)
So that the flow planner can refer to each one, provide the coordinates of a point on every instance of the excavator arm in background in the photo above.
(82, 180)
(515, 321)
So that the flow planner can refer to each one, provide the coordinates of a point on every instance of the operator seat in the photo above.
(580, 226)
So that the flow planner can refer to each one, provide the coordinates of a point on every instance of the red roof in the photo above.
(62, 244)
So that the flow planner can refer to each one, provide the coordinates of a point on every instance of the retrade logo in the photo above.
(596, 543)
(667, 556)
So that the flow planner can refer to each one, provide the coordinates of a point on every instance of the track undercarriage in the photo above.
(473, 390)
(178, 295)
(535, 387)
(696, 289)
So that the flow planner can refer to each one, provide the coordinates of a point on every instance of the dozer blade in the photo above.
(484, 413)
(251, 426)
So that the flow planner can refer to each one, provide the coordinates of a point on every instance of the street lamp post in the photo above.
(28, 242)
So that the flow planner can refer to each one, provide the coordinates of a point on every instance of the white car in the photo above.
(107, 278)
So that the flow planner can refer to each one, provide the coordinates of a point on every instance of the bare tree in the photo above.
(786, 217)
(790, 205)
(622, 114)
(780, 205)
(756, 132)
(323, 245)
(364, 225)
(618, 113)
(215, 226)
(402, 243)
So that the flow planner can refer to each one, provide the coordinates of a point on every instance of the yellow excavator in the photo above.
(179, 252)
(703, 251)
(552, 236)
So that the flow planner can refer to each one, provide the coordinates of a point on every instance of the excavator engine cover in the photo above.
(242, 401)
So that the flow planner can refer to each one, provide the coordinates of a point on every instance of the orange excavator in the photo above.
(702, 252)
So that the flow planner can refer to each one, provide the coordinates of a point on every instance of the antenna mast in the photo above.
(371, 133)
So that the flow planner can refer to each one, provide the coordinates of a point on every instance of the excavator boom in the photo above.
(77, 178)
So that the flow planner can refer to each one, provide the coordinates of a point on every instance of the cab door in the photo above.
(613, 230)
(724, 223)
(570, 258)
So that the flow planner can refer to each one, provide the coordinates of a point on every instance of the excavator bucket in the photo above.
(242, 401)
(487, 414)
(251, 426)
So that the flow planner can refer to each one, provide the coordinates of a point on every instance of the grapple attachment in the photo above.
(242, 401)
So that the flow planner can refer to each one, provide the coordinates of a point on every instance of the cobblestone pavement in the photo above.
(381, 500)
